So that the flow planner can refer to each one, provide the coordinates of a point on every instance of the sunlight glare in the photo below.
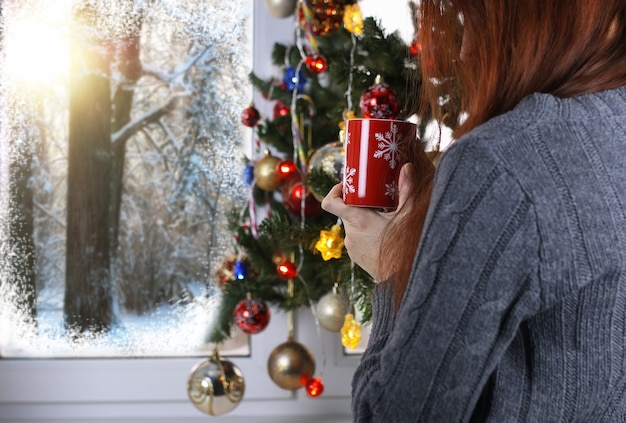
(37, 43)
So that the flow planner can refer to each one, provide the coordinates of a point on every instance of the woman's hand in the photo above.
(364, 227)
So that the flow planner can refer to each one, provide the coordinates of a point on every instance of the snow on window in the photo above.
(120, 158)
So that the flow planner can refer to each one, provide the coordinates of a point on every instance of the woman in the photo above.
(513, 307)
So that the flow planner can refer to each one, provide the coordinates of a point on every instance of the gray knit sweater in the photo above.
(516, 307)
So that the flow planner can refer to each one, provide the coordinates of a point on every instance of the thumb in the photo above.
(405, 183)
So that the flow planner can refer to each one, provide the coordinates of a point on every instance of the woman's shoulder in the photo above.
(545, 110)
(543, 128)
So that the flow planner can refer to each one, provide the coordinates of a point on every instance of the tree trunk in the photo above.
(130, 68)
(89, 293)
(21, 225)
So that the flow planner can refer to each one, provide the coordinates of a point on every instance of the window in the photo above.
(121, 148)
(90, 389)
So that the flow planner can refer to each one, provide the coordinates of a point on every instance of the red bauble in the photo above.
(316, 64)
(380, 101)
(286, 168)
(252, 315)
(415, 48)
(250, 116)
(293, 191)
(287, 270)
(315, 387)
(281, 109)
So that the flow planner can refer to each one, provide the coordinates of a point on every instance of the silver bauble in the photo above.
(291, 365)
(215, 386)
(281, 8)
(329, 159)
(332, 309)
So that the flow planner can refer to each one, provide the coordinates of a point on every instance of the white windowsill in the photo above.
(133, 390)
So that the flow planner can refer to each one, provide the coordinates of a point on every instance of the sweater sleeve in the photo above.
(474, 280)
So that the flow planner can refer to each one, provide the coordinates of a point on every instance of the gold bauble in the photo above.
(225, 273)
(332, 309)
(326, 16)
(291, 365)
(266, 174)
(278, 257)
(215, 386)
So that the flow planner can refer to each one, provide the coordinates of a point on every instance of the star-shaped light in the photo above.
(353, 19)
(347, 114)
(350, 332)
(330, 243)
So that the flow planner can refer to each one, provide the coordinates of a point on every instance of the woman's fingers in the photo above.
(333, 202)
(357, 217)
(405, 183)
(363, 228)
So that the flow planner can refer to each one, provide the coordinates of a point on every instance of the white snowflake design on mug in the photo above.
(389, 146)
(348, 181)
(391, 190)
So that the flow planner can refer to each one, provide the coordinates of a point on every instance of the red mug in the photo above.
(375, 150)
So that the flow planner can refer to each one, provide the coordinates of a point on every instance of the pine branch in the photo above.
(320, 182)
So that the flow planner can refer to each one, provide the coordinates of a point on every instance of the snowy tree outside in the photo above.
(120, 156)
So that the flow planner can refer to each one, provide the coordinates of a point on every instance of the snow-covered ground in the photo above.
(168, 331)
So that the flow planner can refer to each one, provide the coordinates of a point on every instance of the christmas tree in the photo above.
(287, 251)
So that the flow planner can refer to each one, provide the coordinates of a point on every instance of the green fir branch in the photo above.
(320, 182)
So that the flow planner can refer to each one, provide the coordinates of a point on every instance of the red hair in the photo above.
(510, 49)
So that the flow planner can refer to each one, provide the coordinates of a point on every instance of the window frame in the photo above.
(93, 389)
(41, 390)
